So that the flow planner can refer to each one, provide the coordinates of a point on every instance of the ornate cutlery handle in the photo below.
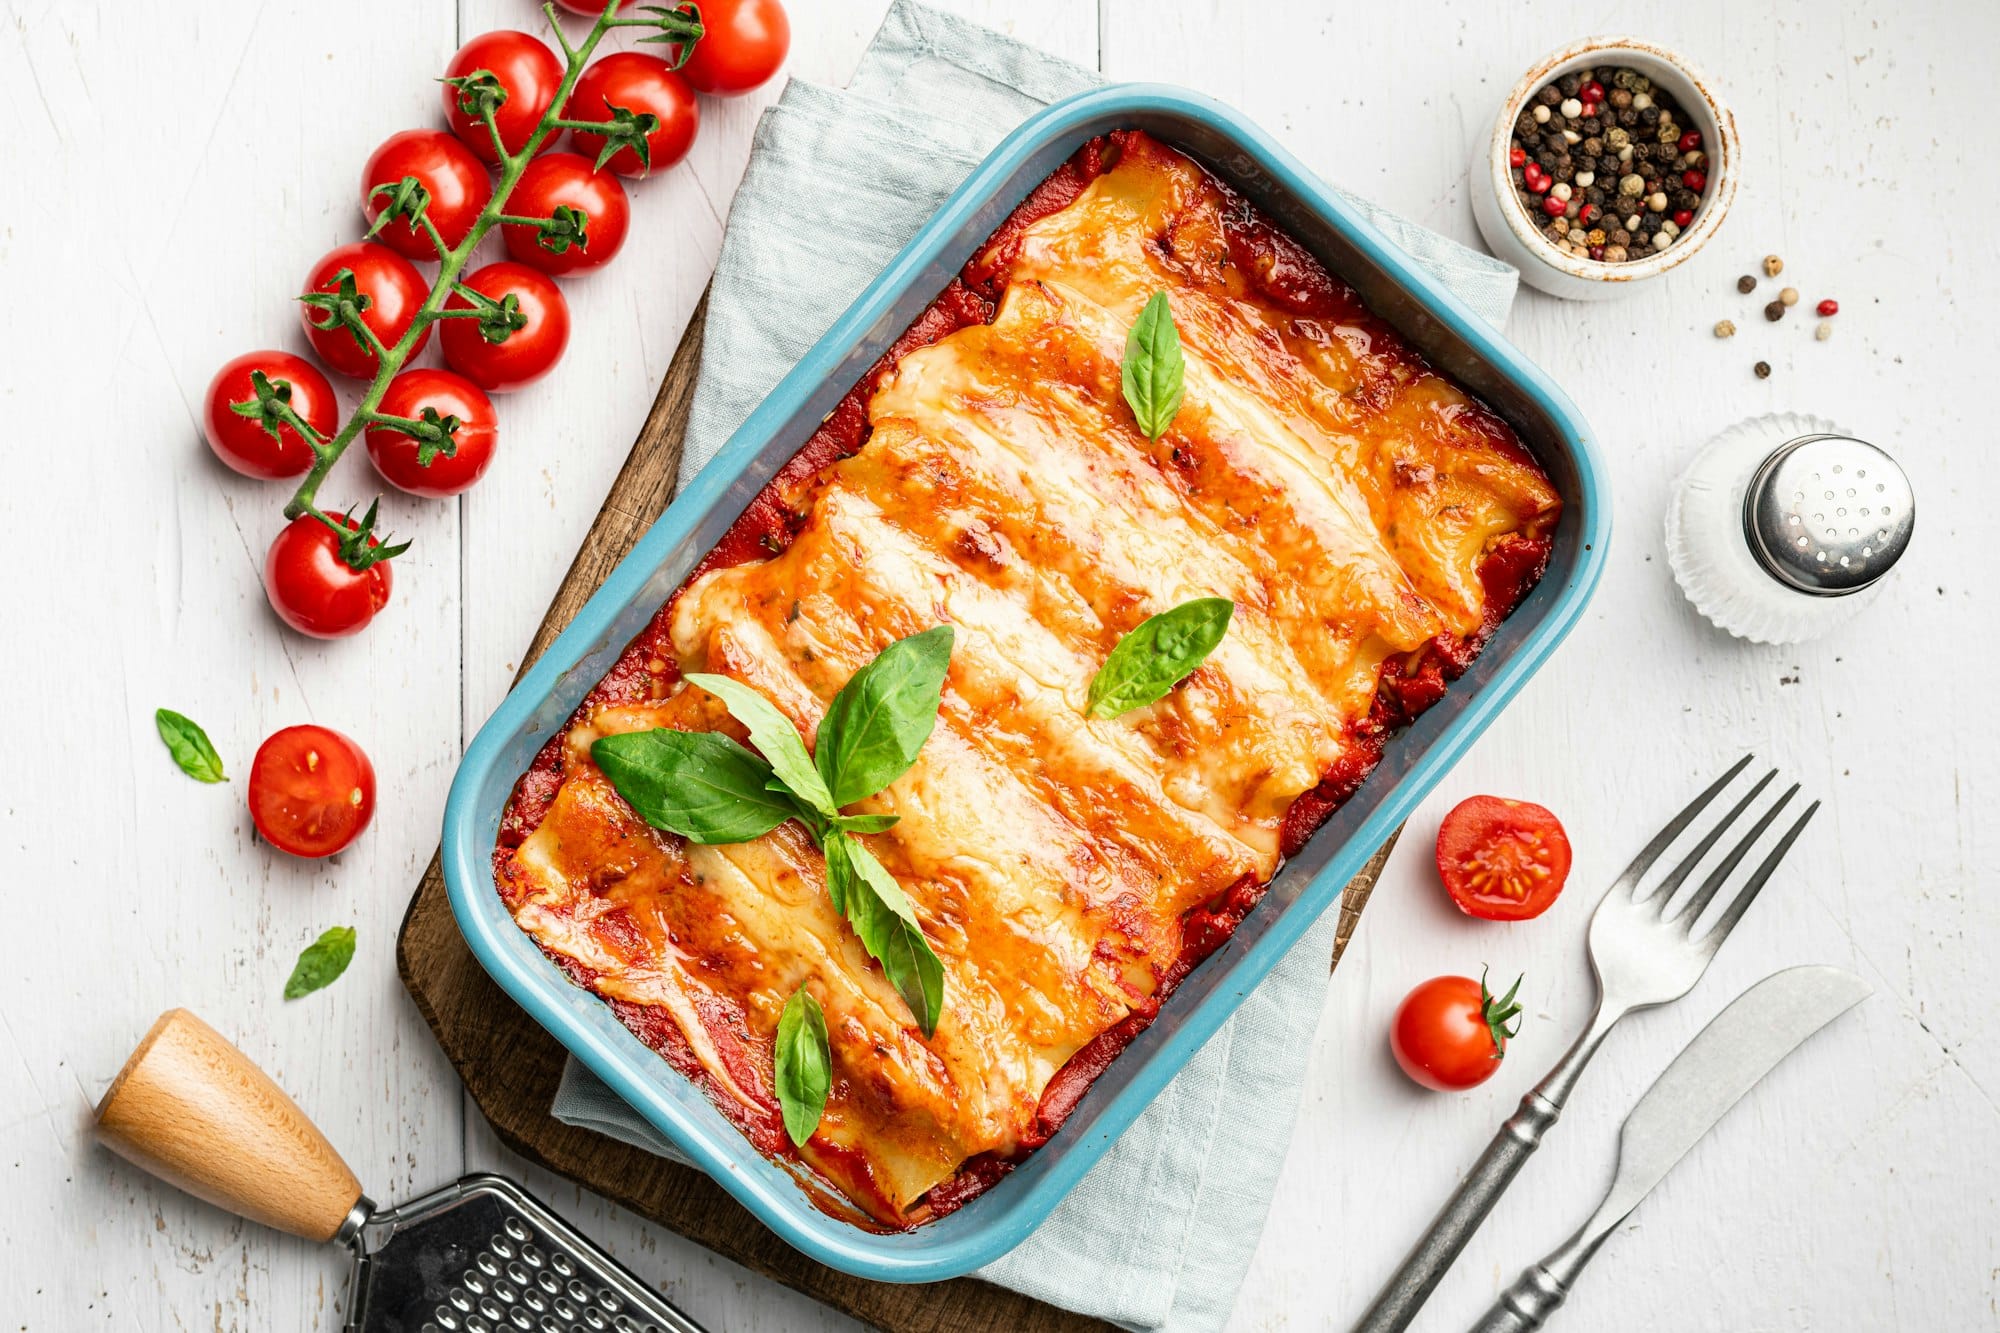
(1406, 1292)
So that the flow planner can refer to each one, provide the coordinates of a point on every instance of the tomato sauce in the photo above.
(1281, 270)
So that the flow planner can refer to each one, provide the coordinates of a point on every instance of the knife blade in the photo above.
(1726, 1059)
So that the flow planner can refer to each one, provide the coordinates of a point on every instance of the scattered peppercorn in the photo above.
(1725, 328)
(1762, 370)
(1828, 307)
(1774, 311)
(1824, 330)
(1773, 266)
(1790, 296)
(1607, 139)
(1746, 284)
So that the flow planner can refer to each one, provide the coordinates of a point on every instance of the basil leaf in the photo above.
(189, 745)
(321, 962)
(699, 784)
(1162, 652)
(881, 718)
(864, 823)
(804, 1065)
(1154, 369)
(773, 733)
(875, 905)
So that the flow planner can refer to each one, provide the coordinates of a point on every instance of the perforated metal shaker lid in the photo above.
(1828, 514)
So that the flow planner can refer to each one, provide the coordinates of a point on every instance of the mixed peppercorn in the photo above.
(1775, 311)
(1607, 166)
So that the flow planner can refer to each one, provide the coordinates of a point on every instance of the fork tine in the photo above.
(1734, 912)
(1651, 851)
(1664, 892)
(1700, 897)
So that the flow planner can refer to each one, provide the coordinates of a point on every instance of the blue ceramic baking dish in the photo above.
(1435, 321)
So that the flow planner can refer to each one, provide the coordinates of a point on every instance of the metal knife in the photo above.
(1725, 1060)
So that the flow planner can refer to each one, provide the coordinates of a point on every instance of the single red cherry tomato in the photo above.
(525, 68)
(1502, 860)
(1450, 1032)
(246, 443)
(311, 791)
(455, 180)
(314, 589)
(642, 85)
(527, 352)
(742, 44)
(399, 457)
(386, 288)
(566, 181)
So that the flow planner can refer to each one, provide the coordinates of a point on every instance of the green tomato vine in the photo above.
(480, 94)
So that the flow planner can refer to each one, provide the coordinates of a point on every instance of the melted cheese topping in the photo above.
(1337, 490)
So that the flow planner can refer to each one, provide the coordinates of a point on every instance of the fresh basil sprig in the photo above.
(1162, 652)
(321, 962)
(804, 1065)
(1153, 369)
(710, 789)
(189, 745)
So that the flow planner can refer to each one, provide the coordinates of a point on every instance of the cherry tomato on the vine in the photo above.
(312, 586)
(528, 352)
(399, 456)
(642, 85)
(455, 180)
(1502, 860)
(311, 790)
(527, 70)
(592, 8)
(1450, 1032)
(386, 288)
(566, 181)
(743, 42)
(246, 443)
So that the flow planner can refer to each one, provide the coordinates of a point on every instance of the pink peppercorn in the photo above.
(1828, 307)
(1694, 180)
(1588, 214)
(1690, 141)
(1597, 252)
(1535, 178)
(1683, 217)
(1516, 156)
(1593, 91)
(1553, 206)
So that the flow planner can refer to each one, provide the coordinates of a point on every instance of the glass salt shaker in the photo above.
(1783, 526)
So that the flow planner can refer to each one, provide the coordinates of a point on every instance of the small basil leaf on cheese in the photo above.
(864, 823)
(803, 1064)
(321, 962)
(875, 905)
(189, 745)
(881, 718)
(1154, 369)
(699, 784)
(773, 733)
(1162, 652)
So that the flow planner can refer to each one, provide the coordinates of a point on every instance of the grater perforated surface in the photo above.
(481, 1256)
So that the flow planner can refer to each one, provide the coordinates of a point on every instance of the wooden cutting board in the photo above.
(511, 1065)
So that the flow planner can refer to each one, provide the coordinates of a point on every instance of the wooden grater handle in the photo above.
(193, 1110)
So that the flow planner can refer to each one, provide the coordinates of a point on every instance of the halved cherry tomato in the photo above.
(529, 73)
(743, 42)
(455, 180)
(528, 352)
(1502, 860)
(398, 457)
(1450, 1032)
(313, 589)
(311, 790)
(642, 85)
(243, 442)
(387, 287)
(565, 180)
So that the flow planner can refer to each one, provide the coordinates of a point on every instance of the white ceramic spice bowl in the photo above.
(1512, 234)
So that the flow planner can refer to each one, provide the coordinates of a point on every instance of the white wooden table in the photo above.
(172, 170)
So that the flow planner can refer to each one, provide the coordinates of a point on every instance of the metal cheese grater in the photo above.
(478, 1256)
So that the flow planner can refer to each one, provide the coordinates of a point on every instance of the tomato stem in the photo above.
(1497, 1014)
(673, 25)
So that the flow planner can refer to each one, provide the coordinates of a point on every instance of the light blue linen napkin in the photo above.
(838, 181)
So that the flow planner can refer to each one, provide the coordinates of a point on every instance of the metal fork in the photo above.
(1642, 955)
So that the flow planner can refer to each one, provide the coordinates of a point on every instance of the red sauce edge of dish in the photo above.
(1284, 272)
